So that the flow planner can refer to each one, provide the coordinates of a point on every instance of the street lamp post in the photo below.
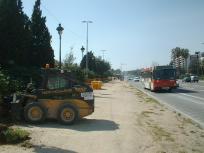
(87, 42)
(60, 29)
(82, 51)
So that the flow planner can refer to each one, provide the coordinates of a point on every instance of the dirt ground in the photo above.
(125, 121)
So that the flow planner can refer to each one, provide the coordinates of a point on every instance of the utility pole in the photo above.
(103, 51)
(87, 43)
(197, 53)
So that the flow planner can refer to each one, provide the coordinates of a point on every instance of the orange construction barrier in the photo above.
(96, 85)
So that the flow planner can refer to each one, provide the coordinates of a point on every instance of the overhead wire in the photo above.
(58, 21)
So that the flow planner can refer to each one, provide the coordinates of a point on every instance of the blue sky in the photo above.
(134, 32)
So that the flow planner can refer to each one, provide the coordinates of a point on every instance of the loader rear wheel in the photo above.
(34, 113)
(67, 114)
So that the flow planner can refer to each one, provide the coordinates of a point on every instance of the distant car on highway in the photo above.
(194, 78)
(130, 78)
(136, 79)
(186, 79)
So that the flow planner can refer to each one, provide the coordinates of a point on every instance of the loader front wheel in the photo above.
(34, 113)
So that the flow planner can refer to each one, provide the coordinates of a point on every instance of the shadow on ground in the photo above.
(46, 149)
(178, 90)
(84, 125)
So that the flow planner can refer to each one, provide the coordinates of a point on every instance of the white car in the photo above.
(136, 79)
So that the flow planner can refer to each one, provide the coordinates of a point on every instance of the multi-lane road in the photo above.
(188, 99)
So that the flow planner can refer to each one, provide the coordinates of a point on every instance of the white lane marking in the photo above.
(193, 97)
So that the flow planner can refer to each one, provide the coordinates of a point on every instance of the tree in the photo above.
(98, 66)
(42, 52)
(69, 60)
(91, 61)
(102, 67)
(14, 34)
(181, 52)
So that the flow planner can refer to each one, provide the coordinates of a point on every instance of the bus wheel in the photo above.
(67, 114)
(170, 89)
(34, 113)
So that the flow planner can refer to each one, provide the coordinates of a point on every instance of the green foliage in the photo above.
(24, 45)
(4, 82)
(183, 52)
(8, 85)
(97, 66)
(69, 61)
(69, 65)
(22, 42)
(14, 34)
(176, 52)
(12, 135)
(42, 52)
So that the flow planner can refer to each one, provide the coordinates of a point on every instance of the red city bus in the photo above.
(159, 77)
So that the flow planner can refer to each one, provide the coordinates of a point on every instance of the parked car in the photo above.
(186, 79)
(136, 79)
(194, 78)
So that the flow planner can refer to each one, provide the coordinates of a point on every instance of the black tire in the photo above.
(170, 89)
(67, 114)
(34, 113)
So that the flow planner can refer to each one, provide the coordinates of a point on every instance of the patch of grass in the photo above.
(146, 113)
(151, 100)
(192, 131)
(187, 121)
(13, 135)
(196, 150)
(159, 134)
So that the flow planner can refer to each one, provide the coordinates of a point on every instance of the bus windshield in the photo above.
(164, 74)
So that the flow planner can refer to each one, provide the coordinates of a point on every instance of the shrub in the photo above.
(13, 135)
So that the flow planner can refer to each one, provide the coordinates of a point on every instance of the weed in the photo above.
(146, 113)
(159, 134)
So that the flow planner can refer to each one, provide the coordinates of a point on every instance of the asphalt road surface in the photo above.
(188, 99)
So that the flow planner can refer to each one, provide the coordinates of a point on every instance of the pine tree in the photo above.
(14, 34)
(42, 52)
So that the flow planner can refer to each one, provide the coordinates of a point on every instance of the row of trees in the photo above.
(97, 66)
(23, 42)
